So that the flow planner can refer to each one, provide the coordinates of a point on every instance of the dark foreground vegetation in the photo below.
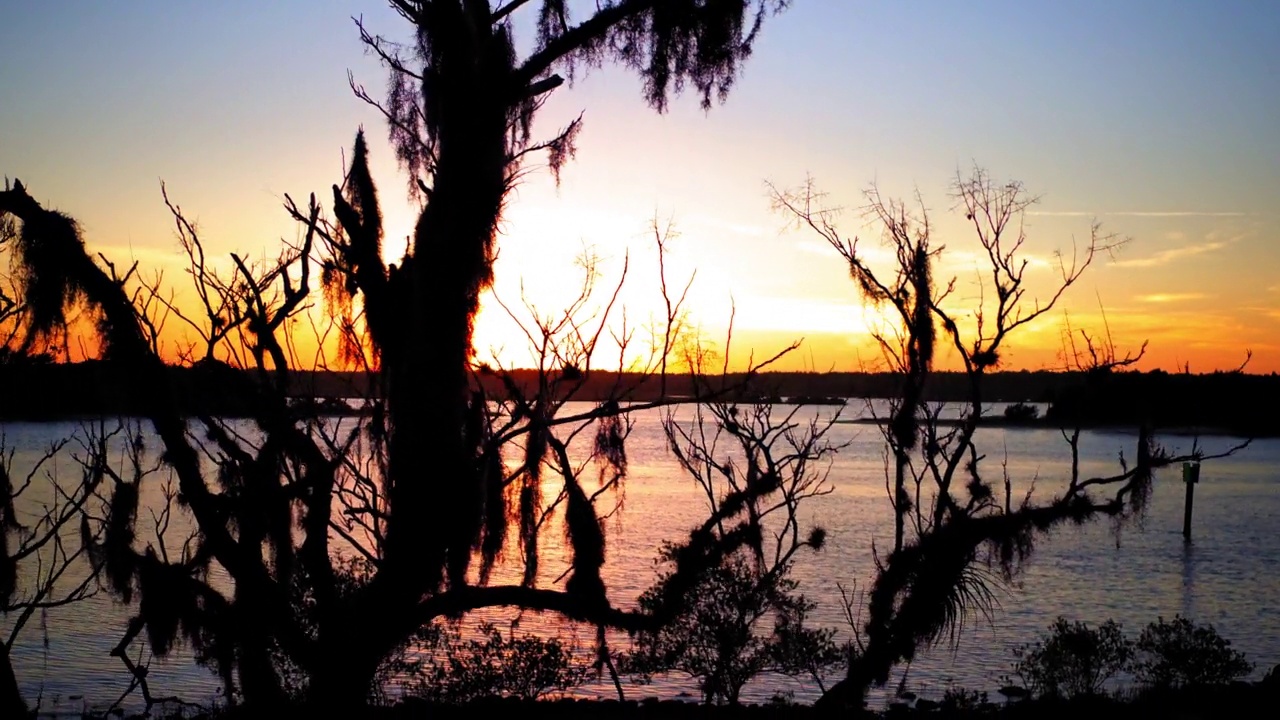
(1237, 702)
(1172, 668)
(1242, 700)
(345, 546)
(1227, 402)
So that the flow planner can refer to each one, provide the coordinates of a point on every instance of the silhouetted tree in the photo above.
(42, 564)
(717, 639)
(1178, 654)
(18, 347)
(728, 449)
(419, 485)
(10, 306)
(953, 534)
(495, 665)
(1073, 659)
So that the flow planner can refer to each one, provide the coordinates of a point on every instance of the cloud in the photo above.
(960, 258)
(1164, 257)
(735, 228)
(1170, 297)
(1267, 311)
(869, 252)
(1175, 213)
(149, 257)
(971, 260)
(1135, 213)
(800, 315)
(813, 247)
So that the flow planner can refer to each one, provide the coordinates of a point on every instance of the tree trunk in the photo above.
(11, 704)
(435, 502)
(900, 499)
(259, 682)
(340, 680)
(849, 694)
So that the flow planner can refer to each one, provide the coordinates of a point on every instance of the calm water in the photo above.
(1225, 577)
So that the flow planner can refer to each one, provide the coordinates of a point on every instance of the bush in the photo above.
(1176, 653)
(716, 639)
(956, 699)
(526, 667)
(1021, 412)
(1073, 659)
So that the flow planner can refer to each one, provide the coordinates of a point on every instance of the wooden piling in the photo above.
(1190, 476)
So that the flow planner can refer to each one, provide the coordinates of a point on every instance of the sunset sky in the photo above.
(1160, 118)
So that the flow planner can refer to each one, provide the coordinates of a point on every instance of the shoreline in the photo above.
(1237, 700)
(1178, 431)
(995, 421)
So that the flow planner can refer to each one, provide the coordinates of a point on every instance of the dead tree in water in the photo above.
(955, 531)
(418, 486)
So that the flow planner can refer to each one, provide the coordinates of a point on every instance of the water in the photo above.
(1088, 573)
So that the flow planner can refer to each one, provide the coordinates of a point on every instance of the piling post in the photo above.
(1190, 476)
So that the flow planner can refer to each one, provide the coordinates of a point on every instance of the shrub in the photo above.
(526, 667)
(799, 651)
(716, 639)
(1176, 653)
(1073, 659)
(1021, 412)
(956, 699)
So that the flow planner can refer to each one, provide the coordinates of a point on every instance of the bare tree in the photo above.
(954, 533)
(729, 449)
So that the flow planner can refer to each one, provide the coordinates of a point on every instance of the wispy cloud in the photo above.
(735, 228)
(960, 258)
(971, 260)
(150, 256)
(1136, 213)
(813, 247)
(1270, 312)
(1175, 213)
(1170, 297)
(1164, 257)
(869, 252)
(1189, 322)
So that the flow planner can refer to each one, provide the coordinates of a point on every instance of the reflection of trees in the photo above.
(42, 566)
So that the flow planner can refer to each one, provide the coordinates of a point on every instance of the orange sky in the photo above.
(1165, 131)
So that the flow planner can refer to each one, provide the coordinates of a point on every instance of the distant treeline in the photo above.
(1236, 402)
